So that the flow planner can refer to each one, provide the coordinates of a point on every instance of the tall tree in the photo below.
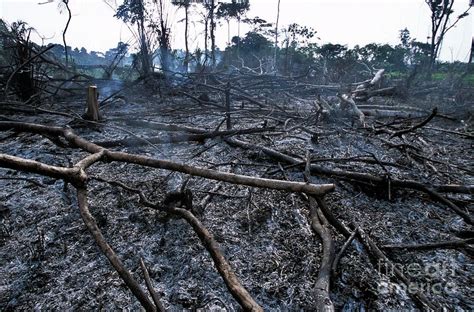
(185, 4)
(441, 11)
(134, 11)
(210, 27)
(472, 51)
(163, 31)
(276, 36)
(233, 10)
(213, 32)
(296, 35)
(66, 4)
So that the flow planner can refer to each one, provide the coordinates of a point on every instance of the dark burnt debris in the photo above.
(237, 189)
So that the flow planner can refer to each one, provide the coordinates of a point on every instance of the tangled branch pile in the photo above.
(314, 197)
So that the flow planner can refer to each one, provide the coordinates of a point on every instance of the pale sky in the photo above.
(348, 22)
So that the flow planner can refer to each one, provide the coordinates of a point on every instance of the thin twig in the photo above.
(149, 286)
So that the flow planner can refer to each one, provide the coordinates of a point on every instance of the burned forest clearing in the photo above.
(390, 186)
(234, 184)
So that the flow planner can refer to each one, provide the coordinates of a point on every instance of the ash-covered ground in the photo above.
(49, 261)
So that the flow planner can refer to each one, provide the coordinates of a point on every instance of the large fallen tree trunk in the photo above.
(78, 177)
(207, 239)
(365, 90)
(90, 147)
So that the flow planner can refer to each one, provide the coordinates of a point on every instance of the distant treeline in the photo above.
(80, 56)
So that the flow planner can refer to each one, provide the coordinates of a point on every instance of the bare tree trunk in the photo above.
(440, 16)
(164, 46)
(287, 56)
(433, 40)
(144, 49)
(66, 2)
(145, 55)
(186, 29)
(276, 37)
(472, 51)
(213, 33)
(238, 35)
(163, 38)
(228, 31)
(206, 36)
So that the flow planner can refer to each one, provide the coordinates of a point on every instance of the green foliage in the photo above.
(259, 25)
(252, 43)
(469, 79)
(252, 50)
(405, 38)
(131, 11)
(383, 56)
(181, 3)
(233, 10)
(440, 7)
(331, 51)
(299, 35)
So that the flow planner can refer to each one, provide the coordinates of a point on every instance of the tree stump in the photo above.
(92, 110)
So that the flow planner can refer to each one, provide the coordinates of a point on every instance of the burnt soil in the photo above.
(49, 261)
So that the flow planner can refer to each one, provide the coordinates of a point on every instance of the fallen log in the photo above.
(78, 177)
(90, 147)
(375, 253)
(163, 126)
(126, 276)
(225, 270)
(417, 126)
(348, 101)
(154, 295)
(320, 226)
(356, 176)
(391, 108)
(222, 265)
(364, 90)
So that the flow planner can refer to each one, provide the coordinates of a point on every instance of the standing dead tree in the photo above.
(276, 37)
(120, 52)
(66, 4)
